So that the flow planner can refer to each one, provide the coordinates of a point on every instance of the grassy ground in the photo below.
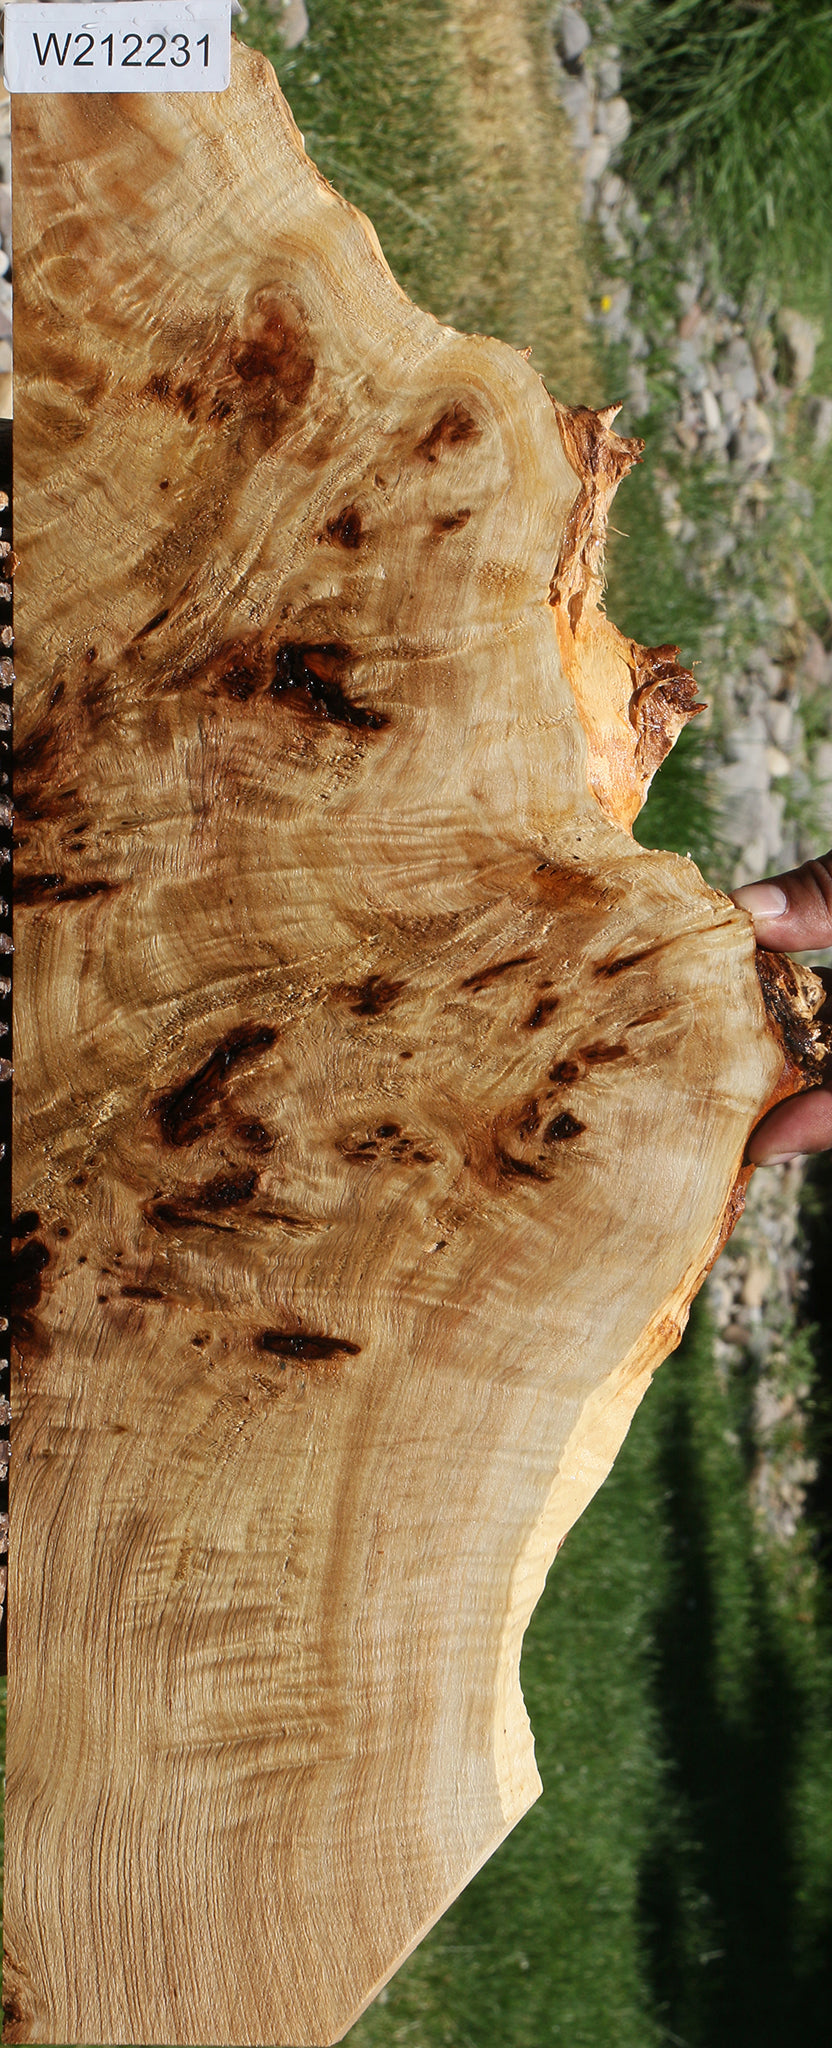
(734, 97)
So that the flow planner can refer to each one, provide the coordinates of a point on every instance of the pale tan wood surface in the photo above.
(380, 1103)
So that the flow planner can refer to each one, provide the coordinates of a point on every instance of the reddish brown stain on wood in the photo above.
(307, 1347)
(561, 1127)
(32, 890)
(310, 679)
(24, 1224)
(346, 529)
(449, 431)
(486, 975)
(543, 1010)
(187, 1112)
(451, 522)
(375, 995)
(28, 1267)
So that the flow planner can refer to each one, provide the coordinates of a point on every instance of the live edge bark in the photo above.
(381, 1103)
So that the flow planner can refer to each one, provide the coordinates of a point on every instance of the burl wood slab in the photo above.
(381, 1102)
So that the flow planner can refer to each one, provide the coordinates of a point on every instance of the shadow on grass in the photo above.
(718, 1886)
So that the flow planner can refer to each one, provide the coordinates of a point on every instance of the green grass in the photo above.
(735, 98)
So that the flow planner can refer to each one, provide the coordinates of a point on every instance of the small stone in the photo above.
(638, 391)
(617, 243)
(632, 216)
(690, 322)
(595, 161)
(780, 722)
(613, 120)
(690, 365)
(819, 417)
(612, 190)
(800, 339)
(737, 367)
(710, 408)
(816, 661)
(292, 19)
(761, 343)
(756, 1284)
(753, 444)
(573, 34)
(608, 74)
(577, 97)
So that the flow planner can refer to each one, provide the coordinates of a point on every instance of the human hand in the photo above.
(793, 913)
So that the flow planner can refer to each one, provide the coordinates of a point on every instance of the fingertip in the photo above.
(763, 900)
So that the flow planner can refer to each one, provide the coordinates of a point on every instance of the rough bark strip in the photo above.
(381, 1101)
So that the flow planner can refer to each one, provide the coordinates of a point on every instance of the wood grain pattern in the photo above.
(381, 1102)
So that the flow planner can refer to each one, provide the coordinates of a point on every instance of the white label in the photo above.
(154, 46)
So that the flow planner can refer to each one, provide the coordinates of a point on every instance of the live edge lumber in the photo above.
(381, 1103)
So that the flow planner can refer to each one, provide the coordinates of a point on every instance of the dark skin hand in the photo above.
(793, 914)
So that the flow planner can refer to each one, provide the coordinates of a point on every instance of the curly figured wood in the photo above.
(380, 1102)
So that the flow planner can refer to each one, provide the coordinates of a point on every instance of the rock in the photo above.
(638, 391)
(617, 243)
(608, 74)
(595, 161)
(573, 35)
(578, 98)
(761, 343)
(822, 766)
(799, 337)
(687, 434)
(738, 368)
(710, 408)
(757, 1284)
(816, 661)
(292, 20)
(730, 404)
(690, 365)
(780, 722)
(819, 418)
(691, 322)
(613, 190)
(613, 119)
(753, 444)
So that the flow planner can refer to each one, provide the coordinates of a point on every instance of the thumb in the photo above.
(793, 912)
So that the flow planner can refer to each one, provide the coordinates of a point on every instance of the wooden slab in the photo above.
(381, 1102)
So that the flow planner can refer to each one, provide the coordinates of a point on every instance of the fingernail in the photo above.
(762, 899)
(779, 1158)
